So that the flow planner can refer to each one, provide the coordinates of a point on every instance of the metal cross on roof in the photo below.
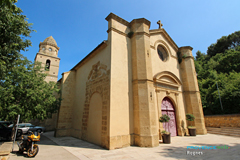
(160, 24)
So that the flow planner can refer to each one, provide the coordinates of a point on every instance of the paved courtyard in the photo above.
(72, 148)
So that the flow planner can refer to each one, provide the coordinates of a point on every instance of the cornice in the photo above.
(50, 75)
(142, 80)
(116, 30)
(169, 39)
(124, 34)
(186, 47)
(141, 33)
(141, 20)
(47, 43)
(54, 65)
(168, 74)
(47, 55)
(167, 83)
(126, 23)
(167, 90)
(119, 19)
(189, 57)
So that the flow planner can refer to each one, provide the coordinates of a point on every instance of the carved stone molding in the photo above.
(116, 30)
(47, 43)
(165, 34)
(117, 18)
(98, 81)
(141, 33)
(98, 70)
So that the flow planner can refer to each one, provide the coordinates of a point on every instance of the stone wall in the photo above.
(65, 118)
(231, 120)
(49, 124)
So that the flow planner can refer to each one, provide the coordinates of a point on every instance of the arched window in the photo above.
(47, 67)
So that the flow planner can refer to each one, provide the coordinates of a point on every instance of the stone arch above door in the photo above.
(98, 82)
(168, 78)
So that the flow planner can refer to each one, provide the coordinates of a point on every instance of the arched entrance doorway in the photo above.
(168, 108)
(94, 127)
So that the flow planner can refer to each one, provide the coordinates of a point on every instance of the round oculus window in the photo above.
(162, 53)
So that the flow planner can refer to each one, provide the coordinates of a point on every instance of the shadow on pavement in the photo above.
(227, 151)
(20, 154)
(176, 150)
(68, 141)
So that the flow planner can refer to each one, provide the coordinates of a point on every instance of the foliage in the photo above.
(23, 91)
(130, 34)
(164, 118)
(13, 30)
(179, 57)
(224, 43)
(190, 117)
(22, 87)
(165, 132)
(222, 68)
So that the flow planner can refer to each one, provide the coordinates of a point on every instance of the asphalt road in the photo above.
(48, 150)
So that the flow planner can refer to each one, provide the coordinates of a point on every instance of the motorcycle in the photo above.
(28, 143)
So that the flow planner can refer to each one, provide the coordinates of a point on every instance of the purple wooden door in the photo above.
(167, 108)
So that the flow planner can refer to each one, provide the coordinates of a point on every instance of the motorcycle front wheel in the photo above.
(34, 152)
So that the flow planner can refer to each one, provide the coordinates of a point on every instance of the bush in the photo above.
(164, 118)
(190, 117)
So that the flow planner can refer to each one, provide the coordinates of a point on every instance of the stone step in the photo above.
(224, 130)
(228, 131)
(226, 134)
(235, 130)
(238, 128)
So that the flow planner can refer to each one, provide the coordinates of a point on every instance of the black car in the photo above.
(5, 131)
(6, 123)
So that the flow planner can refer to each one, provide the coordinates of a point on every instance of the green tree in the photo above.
(14, 28)
(222, 68)
(22, 87)
(24, 91)
(224, 43)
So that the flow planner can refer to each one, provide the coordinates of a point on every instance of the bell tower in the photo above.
(48, 56)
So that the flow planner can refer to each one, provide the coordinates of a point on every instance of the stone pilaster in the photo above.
(145, 124)
(191, 92)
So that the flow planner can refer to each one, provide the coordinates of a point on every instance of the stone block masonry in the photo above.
(231, 120)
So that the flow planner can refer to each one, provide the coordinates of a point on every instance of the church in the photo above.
(115, 96)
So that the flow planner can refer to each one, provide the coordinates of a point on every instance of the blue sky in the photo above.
(78, 26)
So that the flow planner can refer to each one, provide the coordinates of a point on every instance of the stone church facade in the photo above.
(116, 94)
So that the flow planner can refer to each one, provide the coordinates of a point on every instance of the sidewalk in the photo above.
(5, 149)
(176, 150)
